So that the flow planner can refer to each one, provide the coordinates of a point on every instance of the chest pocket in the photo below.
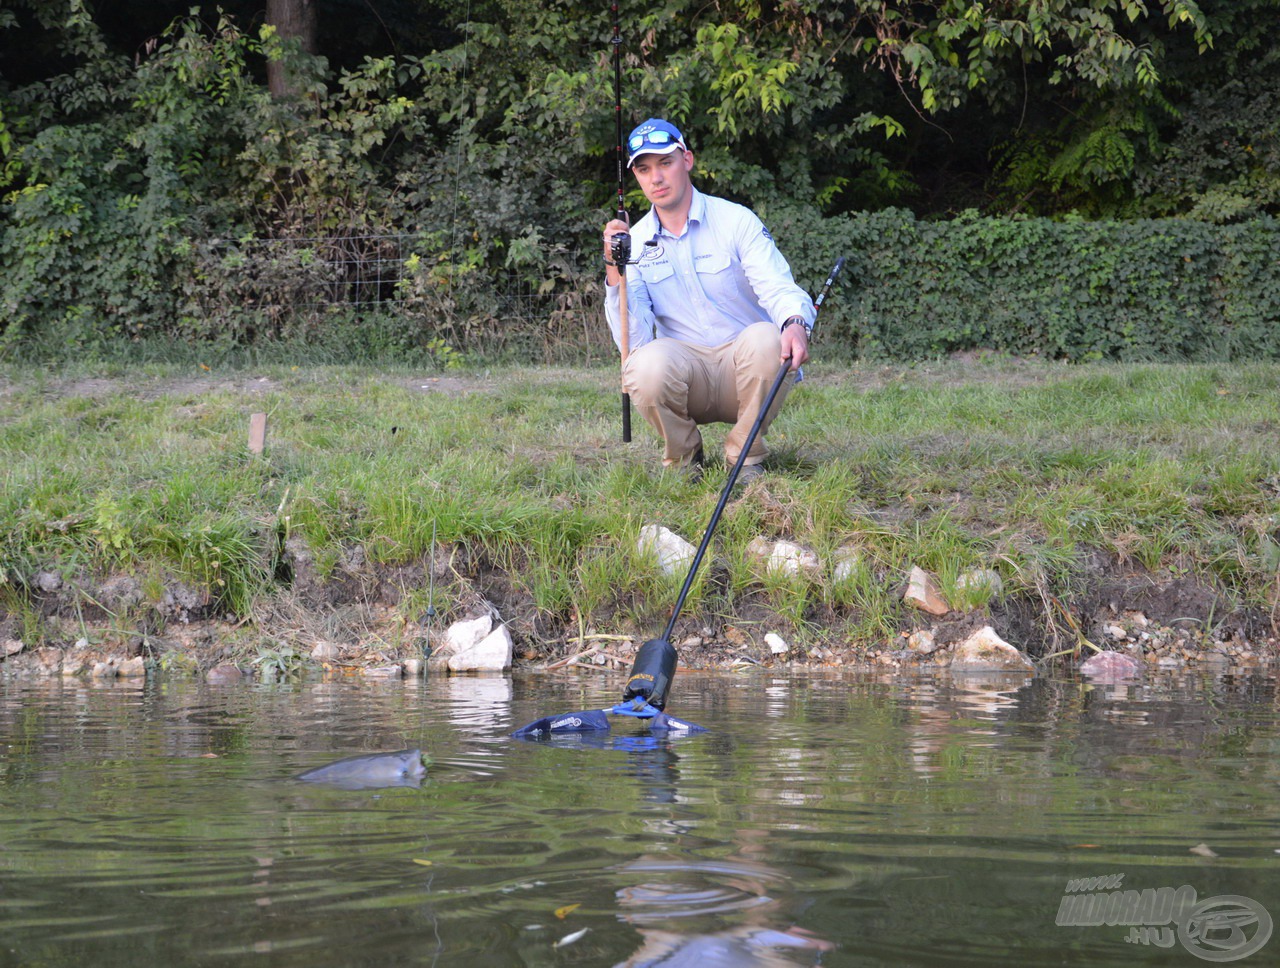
(716, 276)
(652, 273)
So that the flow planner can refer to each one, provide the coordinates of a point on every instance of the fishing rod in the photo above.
(654, 668)
(655, 664)
(621, 243)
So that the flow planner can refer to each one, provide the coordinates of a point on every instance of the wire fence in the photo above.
(304, 286)
(361, 271)
(367, 273)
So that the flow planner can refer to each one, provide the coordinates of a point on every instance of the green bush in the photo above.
(173, 200)
(1164, 289)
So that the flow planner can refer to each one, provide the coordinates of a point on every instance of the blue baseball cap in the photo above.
(654, 137)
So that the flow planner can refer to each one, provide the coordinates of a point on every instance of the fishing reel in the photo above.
(620, 250)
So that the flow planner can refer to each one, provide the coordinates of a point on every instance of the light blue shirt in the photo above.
(706, 285)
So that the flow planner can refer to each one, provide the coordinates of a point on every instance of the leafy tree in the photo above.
(294, 21)
(145, 170)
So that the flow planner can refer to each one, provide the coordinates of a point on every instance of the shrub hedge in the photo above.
(1161, 289)
(1167, 289)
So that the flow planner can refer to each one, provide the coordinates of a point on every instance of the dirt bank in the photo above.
(357, 618)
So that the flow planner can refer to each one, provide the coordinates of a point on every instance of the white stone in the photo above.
(845, 563)
(326, 651)
(987, 578)
(48, 581)
(921, 641)
(924, 594)
(491, 654)
(132, 668)
(794, 559)
(777, 645)
(11, 647)
(392, 671)
(784, 557)
(673, 554)
(1116, 632)
(462, 636)
(413, 667)
(985, 651)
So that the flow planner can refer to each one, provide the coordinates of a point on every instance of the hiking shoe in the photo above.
(691, 470)
(749, 473)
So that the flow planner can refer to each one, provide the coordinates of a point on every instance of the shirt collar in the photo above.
(697, 210)
(697, 206)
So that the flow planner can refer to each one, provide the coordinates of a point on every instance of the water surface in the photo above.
(824, 820)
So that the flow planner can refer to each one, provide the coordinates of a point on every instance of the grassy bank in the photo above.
(129, 498)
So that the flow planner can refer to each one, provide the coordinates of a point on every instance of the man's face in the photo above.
(664, 179)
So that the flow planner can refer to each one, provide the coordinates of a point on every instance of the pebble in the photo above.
(224, 672)
(132, 668)
(326, 652)
(922, 642)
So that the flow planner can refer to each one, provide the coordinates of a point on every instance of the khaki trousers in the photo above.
(677, 385)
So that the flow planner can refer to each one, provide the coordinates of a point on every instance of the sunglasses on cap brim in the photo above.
(658, 139)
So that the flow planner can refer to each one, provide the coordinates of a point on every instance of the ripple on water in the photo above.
(842, 819)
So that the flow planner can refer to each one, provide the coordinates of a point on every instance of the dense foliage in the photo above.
(1159, 289)
(152, 187)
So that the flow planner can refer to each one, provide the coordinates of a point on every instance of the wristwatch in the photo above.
(808, 329)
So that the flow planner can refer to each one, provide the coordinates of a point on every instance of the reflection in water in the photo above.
(840, 820)
(710, 913)
(689, 912)
(475, 703)
(744, 947)
(694, 888)
(651, 758)
(975, 705)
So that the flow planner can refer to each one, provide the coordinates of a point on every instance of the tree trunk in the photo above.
(293, 20)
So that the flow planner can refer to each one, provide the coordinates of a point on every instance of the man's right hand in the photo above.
(613, 274)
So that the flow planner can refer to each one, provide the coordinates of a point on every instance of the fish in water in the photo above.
(371, 771)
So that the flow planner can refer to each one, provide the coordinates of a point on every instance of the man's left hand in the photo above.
(795, 344)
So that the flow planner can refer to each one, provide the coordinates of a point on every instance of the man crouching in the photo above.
(712, 309)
